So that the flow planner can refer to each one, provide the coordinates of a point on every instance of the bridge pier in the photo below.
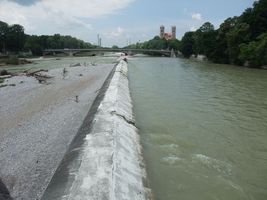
(172, 54)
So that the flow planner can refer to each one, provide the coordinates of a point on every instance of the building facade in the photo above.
(167, 36)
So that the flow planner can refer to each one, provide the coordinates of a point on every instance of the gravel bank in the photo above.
(39, 121)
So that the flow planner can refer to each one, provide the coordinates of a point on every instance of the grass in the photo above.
(1, 80)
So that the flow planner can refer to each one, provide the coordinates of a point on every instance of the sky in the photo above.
(118, 22)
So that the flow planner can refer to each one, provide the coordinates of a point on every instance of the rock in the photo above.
(4, 72)
(247, 64)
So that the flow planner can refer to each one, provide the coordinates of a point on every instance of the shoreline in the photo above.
(105, 159)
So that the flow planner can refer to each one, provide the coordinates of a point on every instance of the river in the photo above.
(203, 128)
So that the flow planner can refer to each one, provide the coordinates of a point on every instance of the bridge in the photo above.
(73, 52)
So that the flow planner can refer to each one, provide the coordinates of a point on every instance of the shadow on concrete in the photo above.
(4, 193)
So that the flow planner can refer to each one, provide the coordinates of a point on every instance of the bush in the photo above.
(13, 60)
(255, 52)
(3, 72)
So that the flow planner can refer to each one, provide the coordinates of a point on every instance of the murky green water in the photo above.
(203, 128)
(59, 62)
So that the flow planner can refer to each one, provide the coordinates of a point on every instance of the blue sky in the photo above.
(117, 21)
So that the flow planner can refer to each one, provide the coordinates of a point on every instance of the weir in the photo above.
(105, 160)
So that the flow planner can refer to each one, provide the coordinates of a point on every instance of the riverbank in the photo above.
(39, 121)
(203, 58)
(105, 160)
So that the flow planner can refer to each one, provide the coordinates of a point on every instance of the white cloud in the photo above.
(196, 16)
(193, 28)
(50, 16)
(114, 33)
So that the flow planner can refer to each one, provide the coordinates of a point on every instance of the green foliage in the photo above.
(12, 38)
(239, 40)
(187, 44)
(156, 43)
(236, 36)
(3, 34)
(174, 44)
(206, 27)
(254, 54)
(205, 39)
(15, 37)
(256, 18)
(38, 43)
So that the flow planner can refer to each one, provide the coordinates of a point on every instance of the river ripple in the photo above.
(203, 128)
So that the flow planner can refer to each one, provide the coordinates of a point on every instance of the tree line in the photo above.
(239, 40)
(157, 43)
(13, 39)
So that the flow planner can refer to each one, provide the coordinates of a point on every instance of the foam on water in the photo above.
(171, 160)
(213, 164)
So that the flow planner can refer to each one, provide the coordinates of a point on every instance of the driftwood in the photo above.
(93, 64)
(76, 65)
(6, 76)
(35, 72)
(41, 77)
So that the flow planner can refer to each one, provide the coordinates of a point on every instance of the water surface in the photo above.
(60, 62)
(203, 128)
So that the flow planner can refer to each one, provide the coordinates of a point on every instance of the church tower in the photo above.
(162, 32)
(173, 32)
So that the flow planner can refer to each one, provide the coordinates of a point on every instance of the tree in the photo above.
(187, 44)
(204, 39)
(174, 44)
(15, 37)
(3, 33)
(256, 17)
(239, 34)
(254, 54)
(114, 47)
(156, 43)
(220, 52)
(34, 44)
(206, 27)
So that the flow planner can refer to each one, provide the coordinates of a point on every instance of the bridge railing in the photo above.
(75, 51)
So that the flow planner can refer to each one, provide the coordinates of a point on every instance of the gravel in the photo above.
(39, 121)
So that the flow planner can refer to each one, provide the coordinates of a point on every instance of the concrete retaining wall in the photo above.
(109, 164)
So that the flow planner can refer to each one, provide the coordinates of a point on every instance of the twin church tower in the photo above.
(167, 36)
